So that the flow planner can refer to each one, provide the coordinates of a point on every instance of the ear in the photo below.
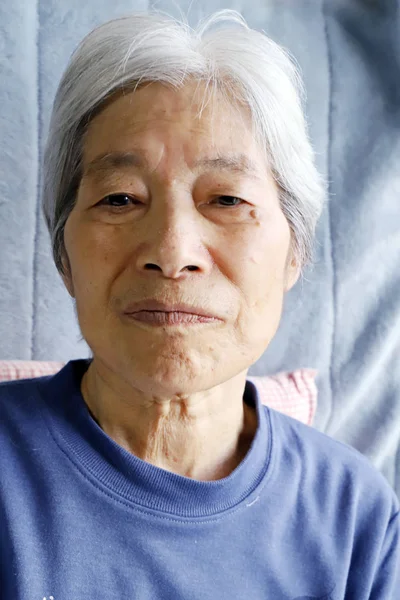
(66, 275)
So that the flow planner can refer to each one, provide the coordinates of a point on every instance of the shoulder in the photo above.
(20, 394)
(18, 398)
(20, 388)
(330, 466)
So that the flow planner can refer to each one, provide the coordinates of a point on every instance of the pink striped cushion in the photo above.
(293, 393)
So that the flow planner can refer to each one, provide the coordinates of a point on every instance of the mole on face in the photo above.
(255, 214)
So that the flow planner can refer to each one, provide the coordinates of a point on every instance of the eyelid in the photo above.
(130, 196)
(134, 199)
(242, 200)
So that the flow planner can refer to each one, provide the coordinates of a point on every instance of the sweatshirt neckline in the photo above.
(140, 482)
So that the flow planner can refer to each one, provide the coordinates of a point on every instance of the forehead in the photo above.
(199, 120)
(155, 101)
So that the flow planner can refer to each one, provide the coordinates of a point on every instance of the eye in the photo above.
(120, 201)
(117, 200)
(229, 199)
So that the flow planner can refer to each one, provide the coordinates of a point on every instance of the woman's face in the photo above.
(195, 191)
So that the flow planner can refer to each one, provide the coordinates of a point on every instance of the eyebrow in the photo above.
(112, 161)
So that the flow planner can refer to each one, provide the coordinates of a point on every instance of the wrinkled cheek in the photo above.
(88, 296)
(261, 319)
(264, 328)
(257, 258)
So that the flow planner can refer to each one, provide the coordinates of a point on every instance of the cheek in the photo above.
(261, 281)
(90, 246)
(265, 251)
(91, 253)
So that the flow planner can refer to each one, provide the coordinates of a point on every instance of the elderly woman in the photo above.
(182, 199)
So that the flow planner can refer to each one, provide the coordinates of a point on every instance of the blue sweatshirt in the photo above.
(303, 517)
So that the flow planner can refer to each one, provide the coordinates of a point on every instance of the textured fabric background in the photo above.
(344, 320)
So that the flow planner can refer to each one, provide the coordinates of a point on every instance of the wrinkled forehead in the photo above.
(210, 116)
(200, 94)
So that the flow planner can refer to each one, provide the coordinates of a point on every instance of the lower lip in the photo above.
(155, 317)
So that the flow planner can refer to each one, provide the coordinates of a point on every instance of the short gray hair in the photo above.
(155, 47)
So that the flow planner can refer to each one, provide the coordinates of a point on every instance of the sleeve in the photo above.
(386, 582)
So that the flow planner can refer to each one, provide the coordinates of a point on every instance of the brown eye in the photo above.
(229, 200)
(117, 200)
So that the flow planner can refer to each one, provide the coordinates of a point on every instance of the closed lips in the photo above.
(155, 305)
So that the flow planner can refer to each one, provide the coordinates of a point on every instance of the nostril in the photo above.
(153, 267)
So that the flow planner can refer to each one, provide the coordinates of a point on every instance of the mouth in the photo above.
(156, 311)
(173, 318)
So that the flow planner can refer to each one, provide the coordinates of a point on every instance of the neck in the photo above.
(204, 436)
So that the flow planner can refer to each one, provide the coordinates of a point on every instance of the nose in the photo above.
(174, 244)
